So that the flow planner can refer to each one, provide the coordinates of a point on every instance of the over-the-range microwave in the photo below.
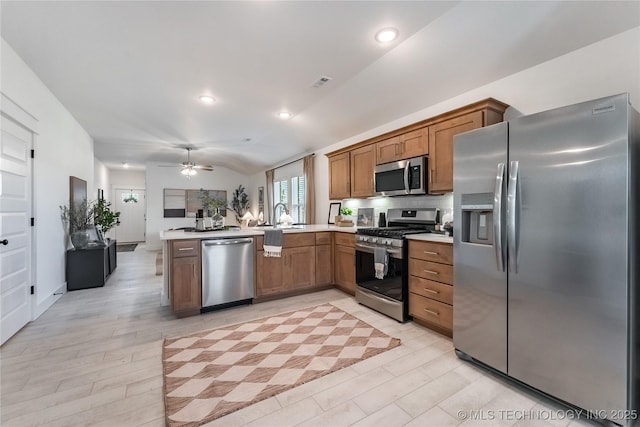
(405, 177)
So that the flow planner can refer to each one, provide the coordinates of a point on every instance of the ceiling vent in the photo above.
(321, 81)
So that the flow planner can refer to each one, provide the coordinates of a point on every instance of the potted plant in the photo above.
(103, 217)
(212, 206)
(76, 218)
(344, 219)
(240, 203)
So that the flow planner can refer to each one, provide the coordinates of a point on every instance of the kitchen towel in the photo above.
(380, 262)
(272, 243)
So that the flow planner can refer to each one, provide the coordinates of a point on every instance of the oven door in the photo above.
(391, 286)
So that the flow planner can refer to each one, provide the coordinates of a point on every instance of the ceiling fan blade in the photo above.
(208, 168)
(170, 166)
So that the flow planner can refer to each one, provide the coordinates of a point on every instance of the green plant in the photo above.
(77, 216)
(240, 203)
(103, 216)
(211, 204)
(346, 211)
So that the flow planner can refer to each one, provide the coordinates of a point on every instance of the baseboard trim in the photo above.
(44, 305)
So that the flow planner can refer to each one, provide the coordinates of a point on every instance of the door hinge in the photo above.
(33, 154)
(33, 221)
(33, 290)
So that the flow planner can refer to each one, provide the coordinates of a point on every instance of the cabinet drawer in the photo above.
(345, 239)
(294, 240)
(431, 311)
(430, 289)
(431, 270)
(323, 238)
(428, 251)
(184, 248)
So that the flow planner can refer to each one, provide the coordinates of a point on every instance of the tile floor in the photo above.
(93, 359)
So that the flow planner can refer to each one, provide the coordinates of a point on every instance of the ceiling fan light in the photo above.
(188, 171)
(284, 115)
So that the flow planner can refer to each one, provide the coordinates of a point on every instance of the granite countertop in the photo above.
(249, 232)
(431, 237)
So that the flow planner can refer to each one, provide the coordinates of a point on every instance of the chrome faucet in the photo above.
(275, 208)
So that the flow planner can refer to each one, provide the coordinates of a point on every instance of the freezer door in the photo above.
(568, 253)
(480, 280)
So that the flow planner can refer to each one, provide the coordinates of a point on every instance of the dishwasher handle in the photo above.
(219, 242)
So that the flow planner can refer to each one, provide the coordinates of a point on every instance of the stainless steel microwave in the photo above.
(401, 178)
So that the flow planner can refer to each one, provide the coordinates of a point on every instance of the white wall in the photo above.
(127, 178)
(100, 180)
(159, 178)
(63, 148)
(605, 68)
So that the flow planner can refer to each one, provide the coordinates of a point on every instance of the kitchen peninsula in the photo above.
(313, 258)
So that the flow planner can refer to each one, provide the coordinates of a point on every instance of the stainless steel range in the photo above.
(388, 295)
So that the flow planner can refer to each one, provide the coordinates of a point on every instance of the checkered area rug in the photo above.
(212, 373)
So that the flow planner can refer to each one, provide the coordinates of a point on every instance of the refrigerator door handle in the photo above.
(512, 227)
(497, 217)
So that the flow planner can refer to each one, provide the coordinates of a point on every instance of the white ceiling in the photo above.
(131, 72)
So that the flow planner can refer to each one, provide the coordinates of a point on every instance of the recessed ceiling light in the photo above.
(386, 35)
(125, 165)
(207, 99)
(284, 115)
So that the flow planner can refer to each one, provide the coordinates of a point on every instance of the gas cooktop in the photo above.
(391, 232)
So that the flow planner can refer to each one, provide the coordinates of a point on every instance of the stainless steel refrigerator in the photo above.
(546, 252)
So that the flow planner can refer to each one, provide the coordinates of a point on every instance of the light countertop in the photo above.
(431, 237)
(250, 232)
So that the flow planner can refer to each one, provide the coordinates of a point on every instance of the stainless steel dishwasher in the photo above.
(227, 272)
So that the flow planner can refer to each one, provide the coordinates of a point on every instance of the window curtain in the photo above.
(310, 191)
(269, 202)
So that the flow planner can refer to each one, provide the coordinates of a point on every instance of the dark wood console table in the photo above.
(90, 267)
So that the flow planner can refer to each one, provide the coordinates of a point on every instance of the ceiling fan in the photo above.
(189, 168)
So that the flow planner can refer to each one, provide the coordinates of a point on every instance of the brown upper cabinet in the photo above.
(404, 146)
(351, 176)
(363, 160)
(340, 176)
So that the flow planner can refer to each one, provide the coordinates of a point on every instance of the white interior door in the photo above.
(132, 207)
(15, 228)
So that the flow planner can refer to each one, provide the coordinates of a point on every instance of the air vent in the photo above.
(321, 81)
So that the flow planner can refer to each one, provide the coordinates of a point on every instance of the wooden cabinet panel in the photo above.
(345, 239)
(431, 270)
(324, 264)
(403, 146)
(323, 238)
(269, 278)
(344, 267)
(294, 240)
(414, 144)
(299, 267)
(388, 150)
(186, 291)
(431, 311)
(441, 149)
(340, 176)
(183, 248)
(428, 251)
(430, 289)
(363, 160)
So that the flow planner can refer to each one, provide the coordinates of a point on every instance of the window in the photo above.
(290, 190)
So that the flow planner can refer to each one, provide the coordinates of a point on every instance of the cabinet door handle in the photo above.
(435, 313)
(431, 253)
(431, 272)
(185, 249)
(431, 290)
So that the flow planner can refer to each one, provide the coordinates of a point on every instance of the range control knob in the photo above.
(373, 240)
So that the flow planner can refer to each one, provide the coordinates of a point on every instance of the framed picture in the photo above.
(334, 210)
(100, 194)
(365, 217)
(261, 195)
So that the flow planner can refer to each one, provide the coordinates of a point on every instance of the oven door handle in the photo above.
(370, 249)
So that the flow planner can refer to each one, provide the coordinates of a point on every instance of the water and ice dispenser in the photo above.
(477, 218)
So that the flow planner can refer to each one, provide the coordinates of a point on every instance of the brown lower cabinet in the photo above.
(344, 262)
(431, 284)
(296, 269)
(185, 273)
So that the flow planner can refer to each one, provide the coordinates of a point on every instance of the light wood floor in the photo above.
(94, 359)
